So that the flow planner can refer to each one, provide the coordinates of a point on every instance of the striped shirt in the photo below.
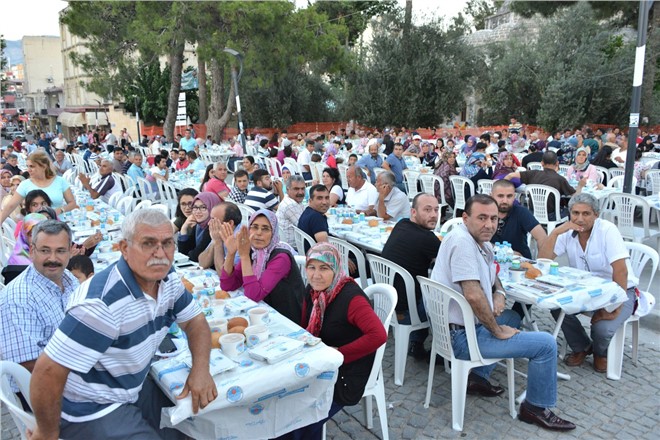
(108, 337)
(31, 309)
(260, 198)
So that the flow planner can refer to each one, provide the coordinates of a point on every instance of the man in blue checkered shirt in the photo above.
(32, 305)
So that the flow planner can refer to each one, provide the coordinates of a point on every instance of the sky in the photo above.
(45, 22)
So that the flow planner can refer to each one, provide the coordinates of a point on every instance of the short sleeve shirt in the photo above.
(397, 204)
(605, 246)
(259, 198)
(460, 258)
(370, 163)
(514, 229)
(55, 190)
(361, 199)
(312, 222)
(397, 165)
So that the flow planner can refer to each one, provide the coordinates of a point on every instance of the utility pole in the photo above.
(638, 74)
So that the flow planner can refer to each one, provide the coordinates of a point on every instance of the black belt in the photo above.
(456, 327)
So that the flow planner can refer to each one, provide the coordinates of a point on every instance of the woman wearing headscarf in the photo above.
(267, 270)
(447, 168)
(582, 168)
(336, 310)
(505, 165)
(5, 184)
(329, 155)
(194, 236)
(20, 256)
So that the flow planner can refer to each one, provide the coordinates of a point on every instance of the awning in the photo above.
(92, 118)
(68, 119)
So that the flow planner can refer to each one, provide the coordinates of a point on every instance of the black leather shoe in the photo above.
(416, 350)
(483, 388)
(545, 419)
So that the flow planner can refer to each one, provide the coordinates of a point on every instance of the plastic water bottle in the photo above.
(209, 283)
(103, 216)
(497, 248)
(508, 252)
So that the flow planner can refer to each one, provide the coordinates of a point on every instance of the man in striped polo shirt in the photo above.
(90, 380)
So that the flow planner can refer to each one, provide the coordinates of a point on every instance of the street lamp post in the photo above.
(235, 78)
(137, 116)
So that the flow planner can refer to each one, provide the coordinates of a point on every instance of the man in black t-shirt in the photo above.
(413, 245)
(313, 220)
(514, 221)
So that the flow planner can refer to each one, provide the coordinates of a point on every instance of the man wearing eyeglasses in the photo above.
(32, 305)
(91, 381)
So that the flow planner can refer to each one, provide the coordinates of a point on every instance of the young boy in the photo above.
(81, 267)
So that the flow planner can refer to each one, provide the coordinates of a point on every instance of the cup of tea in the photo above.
(232, 344)
(543, 264)
(256, 334)
(218, 325)
(258, 315)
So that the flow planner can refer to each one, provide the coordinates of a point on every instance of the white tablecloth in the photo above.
(579, 291)
(255, 399)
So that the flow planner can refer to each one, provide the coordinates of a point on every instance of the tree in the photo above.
(575, 71)
(617, 13)
(3, 62)
(480, 10)
(389, 90)
(355, 15)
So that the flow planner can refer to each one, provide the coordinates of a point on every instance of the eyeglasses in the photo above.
(186, 204)
(586, 263)
(201, 208)
(151, 246)
(264, 229)
(46, 252)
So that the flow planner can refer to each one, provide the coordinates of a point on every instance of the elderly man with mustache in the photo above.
(91, 381)
(33, 304)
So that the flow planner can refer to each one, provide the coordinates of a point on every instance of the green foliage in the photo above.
(355, 15)
(389, 90)
(150, 85)
(480, 10)
(576, 71)
(3, 61)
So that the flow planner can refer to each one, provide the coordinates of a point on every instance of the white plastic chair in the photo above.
(616, 172)
(617, 182)
(384, 271)
(21, 376)
(167, 194)
(652, 182)
(301, 262)
(458, 184)
(144, 204)
(410, 180)
(539, 195)
(126, 204)
(384, 299)
(535, 166)
(485, 186)
(377, 171)
(342, 167)
(428, 182)
(603, 174)
(449, 225)
(563, 169)
(162, 208)
(112, 201)
(123, 180)
(640, 255)
(437, 298)
(301, 237)
(622, 209)
(345, 248)
(246, 212)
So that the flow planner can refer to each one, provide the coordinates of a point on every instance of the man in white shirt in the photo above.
(392, 202)
(110, 139)
(619, 155)
(61, 143)
(156, 146)
(305, 158)
(105, 187)
(362, 195)
(290, 209)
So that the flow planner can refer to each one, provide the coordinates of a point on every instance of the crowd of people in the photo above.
(88, 336)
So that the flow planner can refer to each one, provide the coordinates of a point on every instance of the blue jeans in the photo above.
(417, 335)
(539, 347)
